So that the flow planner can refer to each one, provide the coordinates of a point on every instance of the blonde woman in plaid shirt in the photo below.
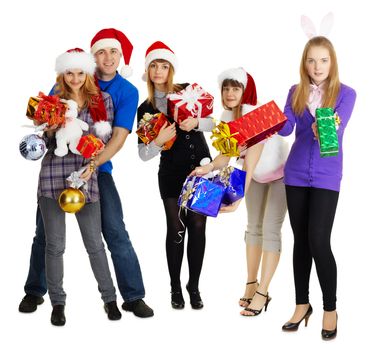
(75, 81)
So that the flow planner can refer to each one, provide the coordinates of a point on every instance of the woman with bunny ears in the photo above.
(175, 164)
(313, 183)
(264, 192)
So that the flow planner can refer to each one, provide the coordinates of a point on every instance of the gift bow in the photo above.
(188, 193)
(186, 196)
(51, 104)
(224, 141)
(225, 175)
(146, 119)
(75, 180)
(189, 96)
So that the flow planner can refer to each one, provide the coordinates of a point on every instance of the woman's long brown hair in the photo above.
(332, 83)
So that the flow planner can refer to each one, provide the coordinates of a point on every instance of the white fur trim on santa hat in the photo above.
(238, 74)
(102, 129)
(75, 60)
(161, 54)
(126, 71)
(104, 43)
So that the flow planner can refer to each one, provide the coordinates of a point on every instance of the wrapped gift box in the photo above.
(46, 109)
(248, 130)
(149, 126)
(201, 196)
(192, 101)
(233, 181)
(327, 133)
(89, 145)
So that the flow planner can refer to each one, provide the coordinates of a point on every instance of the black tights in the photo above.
(195, 224)
(311, 212)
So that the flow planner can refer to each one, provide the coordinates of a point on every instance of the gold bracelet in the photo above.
(92, 165)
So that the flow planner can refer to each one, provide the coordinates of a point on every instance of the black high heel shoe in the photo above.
(177, 300)
(257, 312)
(195, 299)
(293, 326)
(329, 335)
(248, 300)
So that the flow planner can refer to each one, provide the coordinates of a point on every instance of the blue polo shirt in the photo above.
(125, 101)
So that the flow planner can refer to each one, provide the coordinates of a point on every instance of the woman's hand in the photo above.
(189, 124)
(86, 175)
(166, 133)
(202, 170)
(51, 130)
(230, 208)
(314, 129)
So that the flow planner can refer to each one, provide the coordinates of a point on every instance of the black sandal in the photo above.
(257, 312)
(248, 300)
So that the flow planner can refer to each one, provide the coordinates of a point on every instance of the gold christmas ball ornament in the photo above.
(71, 200)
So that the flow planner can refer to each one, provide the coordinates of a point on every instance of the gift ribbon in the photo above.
(38, 107)
(146, 119)
(336, 117)
(90, 139)
(224, 140)
(189, 96)
(76, 181)
(225, 175)
(186, 196)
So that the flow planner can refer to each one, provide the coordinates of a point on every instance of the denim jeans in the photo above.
(54, 219)
(125, 261)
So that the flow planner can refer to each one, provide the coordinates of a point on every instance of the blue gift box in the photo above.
(201, 196)
(233, 181)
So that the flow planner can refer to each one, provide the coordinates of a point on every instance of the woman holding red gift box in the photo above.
(264, 191)
(175, 164)
(75, 81)
(312, 182)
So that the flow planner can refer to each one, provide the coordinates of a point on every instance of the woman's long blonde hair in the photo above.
(170, 86)
(88, 91)
(233, 83)
(332, 83)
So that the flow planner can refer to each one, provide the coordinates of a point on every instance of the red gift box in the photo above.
(192, 101)
(249, 129)
(89, 146)
(149, 127)
(46, 109)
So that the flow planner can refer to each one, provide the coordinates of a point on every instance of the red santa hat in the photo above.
(243, 77)
(116, 39)
(75, 59)
(159, 51)
(78, 59)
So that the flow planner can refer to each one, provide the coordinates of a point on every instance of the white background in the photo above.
(266, 39)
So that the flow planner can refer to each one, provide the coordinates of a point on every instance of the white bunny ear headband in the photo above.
(325, 26)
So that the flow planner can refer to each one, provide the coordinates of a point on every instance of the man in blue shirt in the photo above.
(108, 46)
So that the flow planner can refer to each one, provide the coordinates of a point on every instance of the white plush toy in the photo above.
(71, 132)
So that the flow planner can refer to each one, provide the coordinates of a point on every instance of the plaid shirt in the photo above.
(55, 170)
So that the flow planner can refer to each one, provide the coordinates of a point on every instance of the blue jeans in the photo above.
(125, 261)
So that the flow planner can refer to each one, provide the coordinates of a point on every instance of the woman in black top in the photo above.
(175, 164)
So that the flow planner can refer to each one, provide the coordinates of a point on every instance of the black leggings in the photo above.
(311, 212)
(195, 224)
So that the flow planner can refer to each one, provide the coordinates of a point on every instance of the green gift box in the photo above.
(327, 133)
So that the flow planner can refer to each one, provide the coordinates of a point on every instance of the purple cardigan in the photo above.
(304, 166)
